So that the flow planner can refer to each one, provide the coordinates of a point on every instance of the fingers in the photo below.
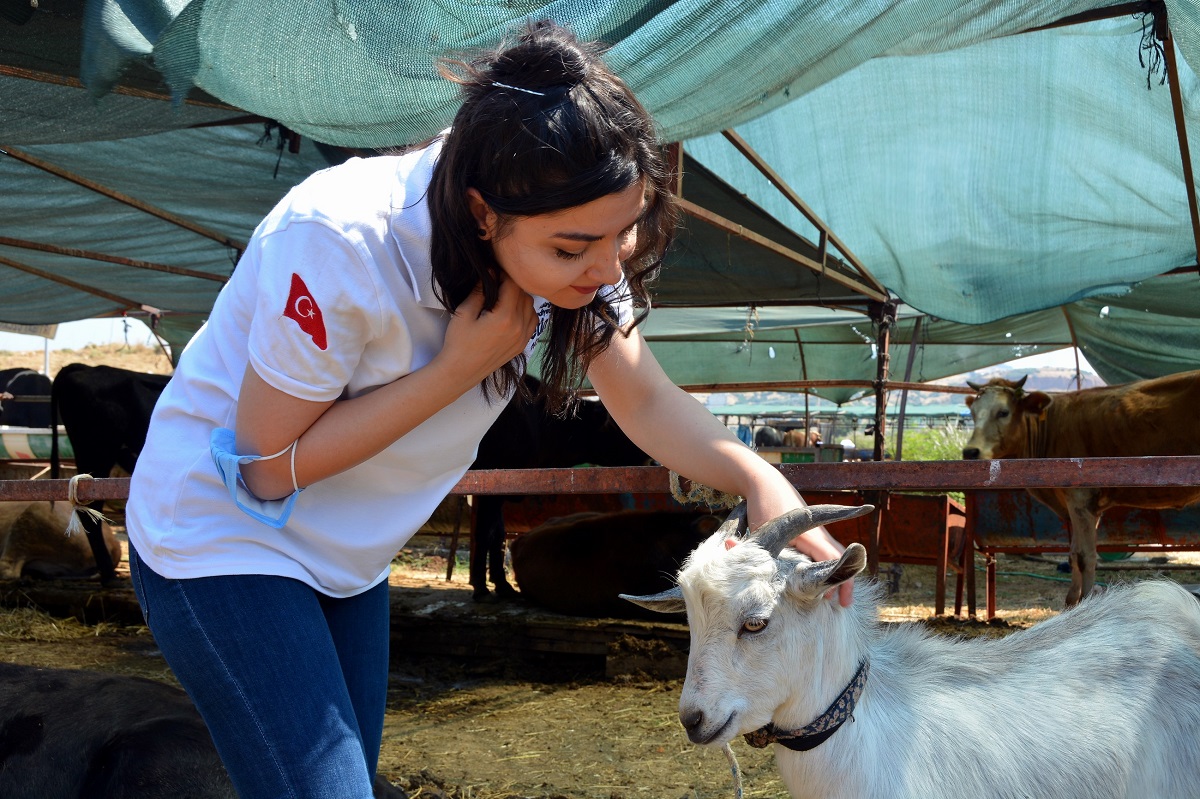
(844, 592)
(472, 306)
(480, 341)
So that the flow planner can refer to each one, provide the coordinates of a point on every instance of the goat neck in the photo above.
(824, 645)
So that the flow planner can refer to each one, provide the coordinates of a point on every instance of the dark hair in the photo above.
(545, 126)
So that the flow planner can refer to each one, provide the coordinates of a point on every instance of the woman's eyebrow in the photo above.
(589, 237)
(576, 236)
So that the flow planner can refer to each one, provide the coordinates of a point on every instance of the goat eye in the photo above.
(754, 625)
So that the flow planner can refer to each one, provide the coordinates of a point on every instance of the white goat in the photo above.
(1101, 701)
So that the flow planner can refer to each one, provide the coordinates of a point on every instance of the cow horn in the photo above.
(1020, 383)
(775, 534)
(976, 386)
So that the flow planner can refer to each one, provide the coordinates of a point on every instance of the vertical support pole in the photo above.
(912, 351)
(804, 377)
(1162, 29)
(1074, 347)
(883, 315)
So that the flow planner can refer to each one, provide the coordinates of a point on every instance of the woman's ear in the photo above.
(485, 217)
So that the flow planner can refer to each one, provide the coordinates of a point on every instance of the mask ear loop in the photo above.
(290, 447)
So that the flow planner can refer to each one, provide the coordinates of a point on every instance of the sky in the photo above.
(76, 335)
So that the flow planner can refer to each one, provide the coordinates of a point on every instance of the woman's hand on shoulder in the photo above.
(479, 342)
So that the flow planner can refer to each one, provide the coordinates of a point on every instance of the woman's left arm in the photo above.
(681, 434)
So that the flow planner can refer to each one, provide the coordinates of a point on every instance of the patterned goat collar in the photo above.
(815, 734)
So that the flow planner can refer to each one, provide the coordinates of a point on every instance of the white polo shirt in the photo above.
(332, 299)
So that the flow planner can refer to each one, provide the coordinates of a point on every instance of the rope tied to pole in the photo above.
(697, 493)
(77, 507)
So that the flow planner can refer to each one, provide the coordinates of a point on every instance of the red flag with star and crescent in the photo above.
(302, 308)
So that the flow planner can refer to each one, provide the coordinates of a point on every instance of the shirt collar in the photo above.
(409, 221)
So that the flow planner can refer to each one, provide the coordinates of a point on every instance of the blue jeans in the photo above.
(291, 683)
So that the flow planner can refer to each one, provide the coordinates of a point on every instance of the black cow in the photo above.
(67, 734)
(579, 564)
(24, 394)
(767, 436)
(526, 436)
(106, 413)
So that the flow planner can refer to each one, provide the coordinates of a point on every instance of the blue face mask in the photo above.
(271, 512)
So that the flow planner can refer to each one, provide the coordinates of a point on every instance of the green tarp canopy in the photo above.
(1018, 188)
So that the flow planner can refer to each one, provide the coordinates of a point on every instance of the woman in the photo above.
(378, 322)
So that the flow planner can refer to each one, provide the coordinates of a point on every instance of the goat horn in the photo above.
(669, 601)
(775, 534)
(735, 523)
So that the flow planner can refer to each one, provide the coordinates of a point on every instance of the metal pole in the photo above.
(912, 351)
(1163, 30)
(884, 316)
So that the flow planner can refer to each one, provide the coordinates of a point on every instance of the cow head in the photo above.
(998, 411)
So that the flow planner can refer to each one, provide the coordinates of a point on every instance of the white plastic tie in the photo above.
(734, 770)
(75, 525)
(290, 447)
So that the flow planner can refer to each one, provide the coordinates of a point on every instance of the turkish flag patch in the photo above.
(302, 308)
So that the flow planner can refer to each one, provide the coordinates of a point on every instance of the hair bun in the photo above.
(545, 57)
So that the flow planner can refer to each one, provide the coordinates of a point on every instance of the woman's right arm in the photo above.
(334, 436)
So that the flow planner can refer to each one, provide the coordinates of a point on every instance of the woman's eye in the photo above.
(754, 625)
(568, 256)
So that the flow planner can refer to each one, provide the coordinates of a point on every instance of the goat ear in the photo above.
(814, 579)
(669, 601)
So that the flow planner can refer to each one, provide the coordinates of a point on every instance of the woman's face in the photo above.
(566, 256)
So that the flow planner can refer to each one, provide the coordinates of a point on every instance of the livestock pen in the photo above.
(876, 480)
(588, 713)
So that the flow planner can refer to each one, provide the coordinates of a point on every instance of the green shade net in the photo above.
(220, 179)
(1018, 191)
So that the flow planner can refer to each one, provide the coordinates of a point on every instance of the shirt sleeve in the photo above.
(317, 309)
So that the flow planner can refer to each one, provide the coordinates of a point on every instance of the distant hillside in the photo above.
(1046, 378)
(1049, 378)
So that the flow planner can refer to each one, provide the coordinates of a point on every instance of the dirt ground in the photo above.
(467, 729)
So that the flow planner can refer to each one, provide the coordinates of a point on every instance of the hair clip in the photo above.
(517, 88)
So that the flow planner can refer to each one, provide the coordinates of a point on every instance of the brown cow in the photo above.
(33, 540)
(1149, 417)
(795, 438)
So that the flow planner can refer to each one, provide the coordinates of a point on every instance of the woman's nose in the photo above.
(607, 269)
